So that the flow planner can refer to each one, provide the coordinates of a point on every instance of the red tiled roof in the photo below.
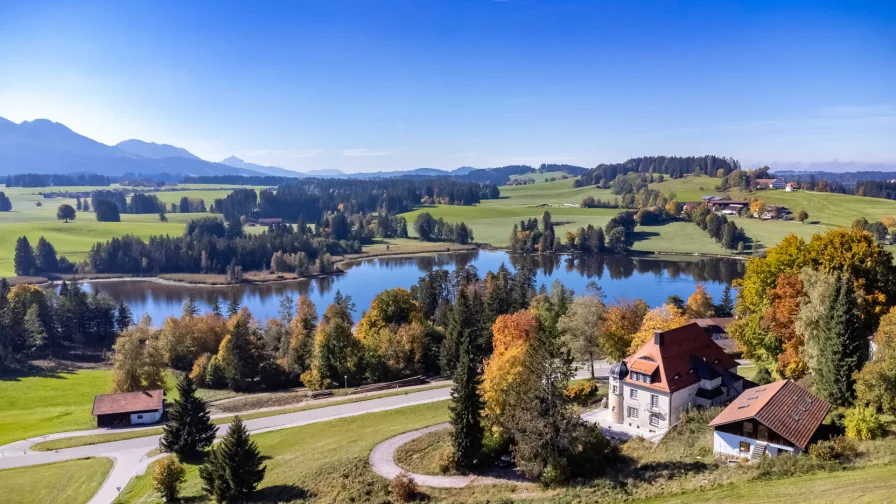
(674, 357)
(128, 402)
(644, 366)
(784, 407)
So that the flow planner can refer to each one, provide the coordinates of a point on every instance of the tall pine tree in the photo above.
(25, 263)
(466, 411)
(190, 428)
(123, 318)
(842, 345)
(464, 324)
(233, 469)
(725, 308)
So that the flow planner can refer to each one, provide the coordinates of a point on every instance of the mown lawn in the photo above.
(69, 482)
(37, 405)
(323, 462)
(875, 484)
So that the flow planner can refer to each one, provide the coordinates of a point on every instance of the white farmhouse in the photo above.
(676, 370)
(129, 408)
(769, 420)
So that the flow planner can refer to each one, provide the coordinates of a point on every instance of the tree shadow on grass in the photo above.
(281, 493)
(643, 235)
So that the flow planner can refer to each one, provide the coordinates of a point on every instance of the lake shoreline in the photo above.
(261, 278)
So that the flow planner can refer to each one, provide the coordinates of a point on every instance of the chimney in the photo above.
(658, 338)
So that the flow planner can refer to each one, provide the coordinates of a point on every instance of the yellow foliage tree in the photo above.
(623, 320)
(511, 336)
(700, 304)
(664, 318)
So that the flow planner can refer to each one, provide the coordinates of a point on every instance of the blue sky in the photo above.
(368, 85)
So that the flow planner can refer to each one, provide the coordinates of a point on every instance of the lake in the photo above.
(651, 278)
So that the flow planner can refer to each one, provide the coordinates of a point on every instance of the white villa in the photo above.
(678, 369)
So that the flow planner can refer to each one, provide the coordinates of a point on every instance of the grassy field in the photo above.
(69, 482)
(74, 239)
(861, 486)
(492, 220)
(38, 405)
(323, 462)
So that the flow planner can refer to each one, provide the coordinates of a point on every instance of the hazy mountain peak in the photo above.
(153, 150)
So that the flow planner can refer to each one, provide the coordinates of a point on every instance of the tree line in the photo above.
(673, 166)
(37, 180)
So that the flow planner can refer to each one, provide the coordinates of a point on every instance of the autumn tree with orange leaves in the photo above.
(511, 336)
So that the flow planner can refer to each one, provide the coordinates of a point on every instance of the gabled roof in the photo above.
(128, 402)
(674, 352)
(784, 407)
(713, 322)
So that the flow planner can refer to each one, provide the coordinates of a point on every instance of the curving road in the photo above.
(129, 456)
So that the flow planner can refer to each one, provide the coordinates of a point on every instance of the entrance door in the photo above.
(763, 433)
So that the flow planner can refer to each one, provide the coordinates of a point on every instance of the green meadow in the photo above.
(74, 239)
(69, 482)
(492, 220)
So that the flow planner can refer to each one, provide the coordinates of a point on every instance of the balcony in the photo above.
(655, 408)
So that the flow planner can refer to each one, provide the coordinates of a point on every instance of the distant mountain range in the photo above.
(46, 147)
(827, 167)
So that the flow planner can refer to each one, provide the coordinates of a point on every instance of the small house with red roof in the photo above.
(129, 408)
(676, 370)
(769, 420)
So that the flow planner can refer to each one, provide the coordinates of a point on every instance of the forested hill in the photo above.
(673, 166)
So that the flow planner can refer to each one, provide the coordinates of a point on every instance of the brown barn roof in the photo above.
(720, 322)
(674, 351)
(127, 402)
(784, 407)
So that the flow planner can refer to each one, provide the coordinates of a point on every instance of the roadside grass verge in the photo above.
(69, 482)
(71, 442)
(322, 462)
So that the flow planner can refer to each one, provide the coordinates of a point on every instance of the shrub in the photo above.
(863, 423)
(273, 376)
(554, 473)
(167, 477)
(403, 487)
(446, 461)
(199, 374)
(214, 375)
(763, 376)
(593, 451)
(582, 393)
(838, 448)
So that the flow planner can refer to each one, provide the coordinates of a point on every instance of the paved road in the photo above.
(129, 455)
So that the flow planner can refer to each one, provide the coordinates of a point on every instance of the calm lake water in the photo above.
(650, 278)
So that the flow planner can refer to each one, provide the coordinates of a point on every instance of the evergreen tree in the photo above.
(237, 355)
(190, 308)
(725, 308)
(842, 345)
(123, 317)
(233, 469)
(233, 307)
(46, 259)
(24, 263)
(675, 301)
(464, 324)
(189, 429)
(216, 307)
(466, 411)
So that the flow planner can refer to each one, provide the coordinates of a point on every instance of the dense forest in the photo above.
(35, 180)
(308, 200)
(672, 166)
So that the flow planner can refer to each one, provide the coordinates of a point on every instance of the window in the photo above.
(615, 389)
(654, 421)
(632, 412)
(139, 417)
(748, 428)
(744, 447)
(633, 394)
(614, 409)
(654, 400)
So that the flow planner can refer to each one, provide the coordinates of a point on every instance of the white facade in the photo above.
(732, 445)
(778, 183)
(146, 418)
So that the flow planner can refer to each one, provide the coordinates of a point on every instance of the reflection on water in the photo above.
(650, 278)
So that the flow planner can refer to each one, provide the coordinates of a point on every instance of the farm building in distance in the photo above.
(129, 408)
(770, 420)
